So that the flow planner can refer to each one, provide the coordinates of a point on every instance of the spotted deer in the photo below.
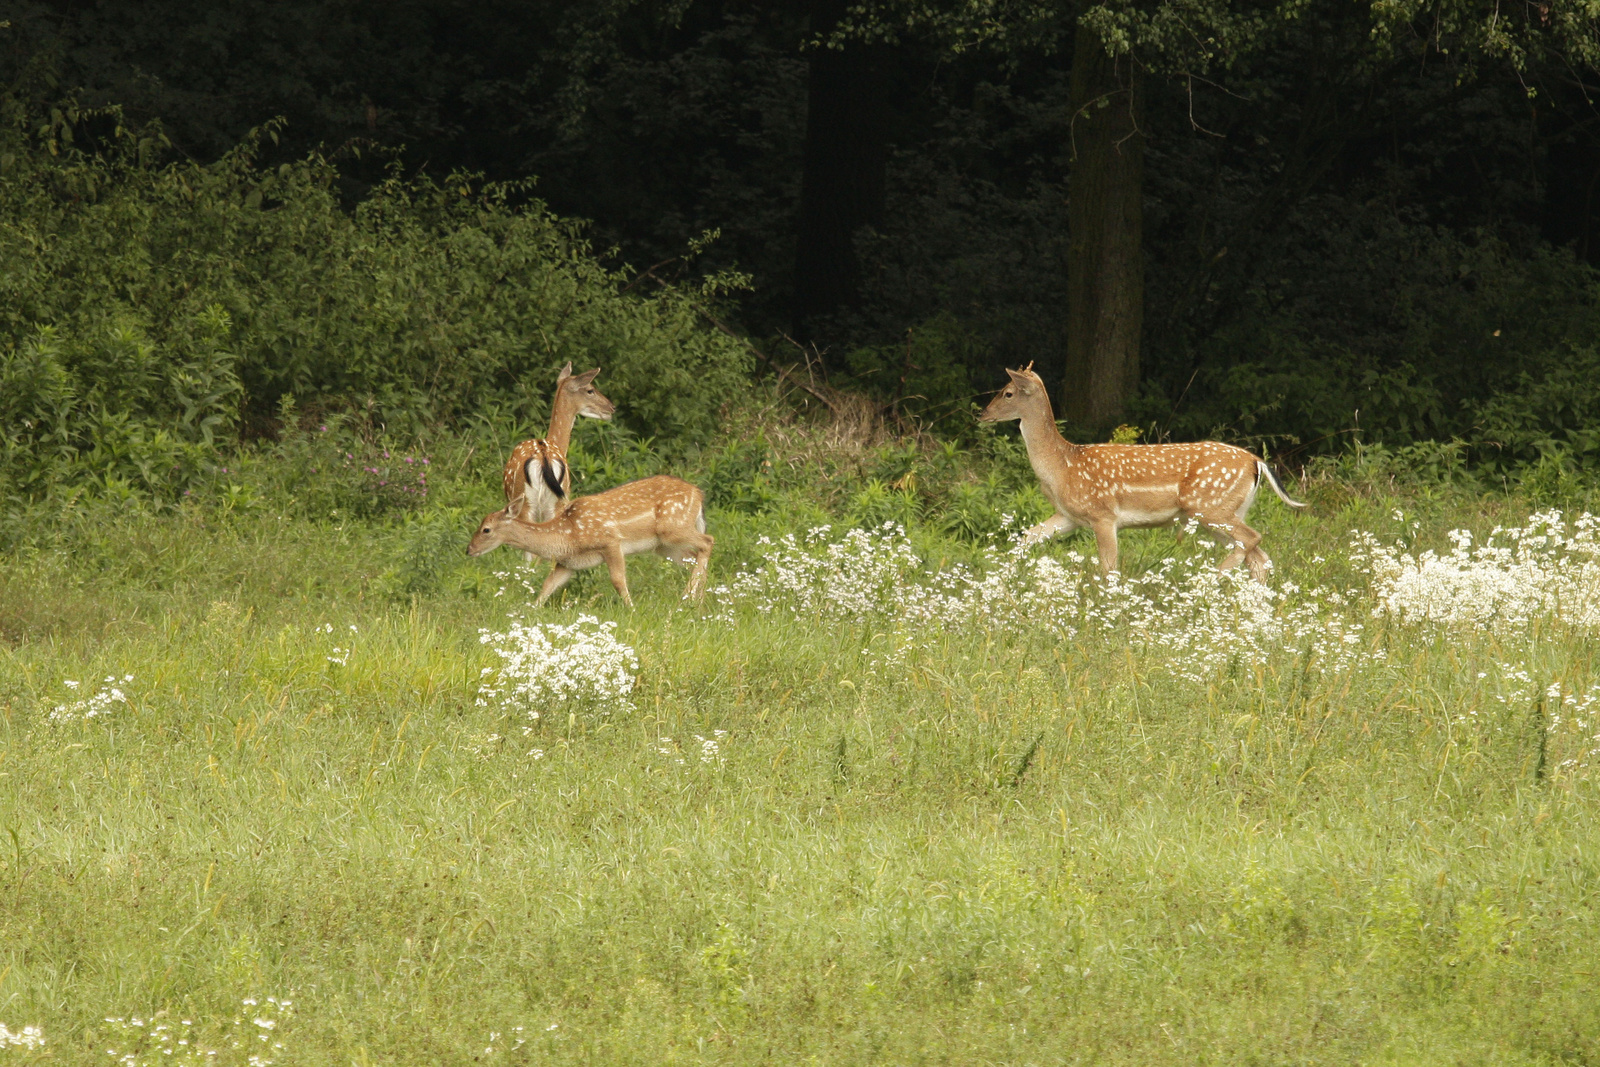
(537, 469)
(1112, 487)
(662, 514)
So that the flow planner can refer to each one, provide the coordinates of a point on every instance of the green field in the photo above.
(1004, 838)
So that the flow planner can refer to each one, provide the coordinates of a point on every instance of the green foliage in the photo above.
(738, 476)
(928, 374)
(104, 410)
(430, 553)
(146, 308)
(1446, 339)
(1551, 409)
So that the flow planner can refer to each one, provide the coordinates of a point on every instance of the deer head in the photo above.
(578, 390)
(1022, 395)
(491, 531)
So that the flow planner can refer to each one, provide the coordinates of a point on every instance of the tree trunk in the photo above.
(841, 182)
(1105, 260)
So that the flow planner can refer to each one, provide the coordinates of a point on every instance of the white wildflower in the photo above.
(29, 1037)
(1204, 620)
(543, 663)
(97, 705)
(1512, 577)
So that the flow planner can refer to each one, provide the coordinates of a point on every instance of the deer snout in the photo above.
(481, 542)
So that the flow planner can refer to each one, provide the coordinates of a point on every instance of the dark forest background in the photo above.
(1335, 239)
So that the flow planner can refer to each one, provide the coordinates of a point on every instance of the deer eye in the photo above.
(1008, 393)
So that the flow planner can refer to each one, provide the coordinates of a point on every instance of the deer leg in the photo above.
(528, 557)
(1244, 540)
(1105, 538)
(617, 564)
(558, 577)
(1260, 563)
(696, 590)
(1048, 528)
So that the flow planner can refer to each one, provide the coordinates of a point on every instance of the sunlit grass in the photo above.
(1006, 848)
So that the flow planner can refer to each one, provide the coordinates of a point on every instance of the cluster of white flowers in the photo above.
(1570, 712)
(710, 749)
(518, 1037)
(247, 1038)
(1543, 568)
(548, 662)
(96, 705)
(861, 573)
(1203, 618)
(336, 655)
(30, 1038)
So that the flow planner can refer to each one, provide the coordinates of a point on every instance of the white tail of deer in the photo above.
(1112, 487)
(662, 514)
(537, 470)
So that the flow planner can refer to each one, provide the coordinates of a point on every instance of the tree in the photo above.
(1105, 217)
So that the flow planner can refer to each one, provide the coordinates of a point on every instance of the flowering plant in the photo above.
(541, 663)
(1514, 575)
(1203, 619)
(97, 705)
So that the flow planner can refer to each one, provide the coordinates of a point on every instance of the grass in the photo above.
(1008, 849)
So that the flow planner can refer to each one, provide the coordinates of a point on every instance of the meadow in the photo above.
(271, 794)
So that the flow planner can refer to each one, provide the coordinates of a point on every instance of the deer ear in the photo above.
(566, 372)
(513, 508)
(587, 376)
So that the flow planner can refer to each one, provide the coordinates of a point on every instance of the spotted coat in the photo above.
(1113, 487)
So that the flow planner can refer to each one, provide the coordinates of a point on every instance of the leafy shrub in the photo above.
(104, 408)
(928, 373)
(148, 311)
(1551, 408)
(431, 546)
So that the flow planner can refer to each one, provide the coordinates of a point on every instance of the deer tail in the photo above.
(554, 472)
(1266, 472)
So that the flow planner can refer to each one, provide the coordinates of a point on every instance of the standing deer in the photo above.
(662, 514)
(1110, 487)
(537, 469)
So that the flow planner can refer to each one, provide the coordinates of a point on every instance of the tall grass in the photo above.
(1006, 846)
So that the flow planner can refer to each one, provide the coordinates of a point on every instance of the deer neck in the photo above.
(1049, 454)
(563, 413)
(1039, 434)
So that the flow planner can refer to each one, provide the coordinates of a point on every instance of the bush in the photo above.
(149, 312)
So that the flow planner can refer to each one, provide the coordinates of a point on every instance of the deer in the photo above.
(537, 469)
(663, 514)
(1113, 487)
